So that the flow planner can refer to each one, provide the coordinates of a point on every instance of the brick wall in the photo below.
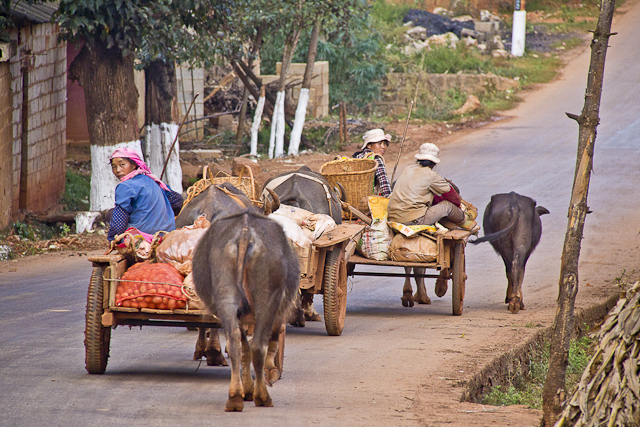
(6, 146)
(38, 67)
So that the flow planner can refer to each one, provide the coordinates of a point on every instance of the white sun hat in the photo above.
(428, 151)
(375, 135)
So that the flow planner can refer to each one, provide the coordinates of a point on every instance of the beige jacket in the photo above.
(413, 193)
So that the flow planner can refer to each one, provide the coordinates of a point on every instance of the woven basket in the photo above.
(247, 184)
(355, 175)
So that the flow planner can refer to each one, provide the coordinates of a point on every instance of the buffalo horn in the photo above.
(275, 204)
(343, 192)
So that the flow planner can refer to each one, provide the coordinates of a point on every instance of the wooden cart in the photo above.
(450, 263)
(323, 270)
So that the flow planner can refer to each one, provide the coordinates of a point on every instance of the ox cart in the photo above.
(323, 270)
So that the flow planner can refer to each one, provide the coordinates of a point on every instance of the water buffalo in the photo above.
(214, 202)
(310, 191)
(246, 273)
(512, 225)
(307, 190)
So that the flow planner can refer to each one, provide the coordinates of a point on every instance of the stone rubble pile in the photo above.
(427, 30)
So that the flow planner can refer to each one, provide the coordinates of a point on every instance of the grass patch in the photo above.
(76, 192)
(527, 389)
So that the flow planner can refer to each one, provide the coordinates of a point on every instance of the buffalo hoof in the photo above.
(407, 299)
(441, 287)
(312, 317)
(234, 404)
(264, 402)
(198, 354)
(248, 397)
(271, 376)
(215, 358)
(422, 299)
(515, 305)
(297, 318)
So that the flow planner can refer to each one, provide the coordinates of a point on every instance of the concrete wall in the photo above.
(39, 89)
(318, 93)
(6, 146)
(189, 83)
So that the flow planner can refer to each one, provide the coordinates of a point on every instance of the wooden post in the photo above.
(554, 392)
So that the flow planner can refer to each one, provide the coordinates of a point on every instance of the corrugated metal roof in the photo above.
(39, 13)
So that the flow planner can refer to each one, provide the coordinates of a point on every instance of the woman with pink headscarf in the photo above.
(142, 200)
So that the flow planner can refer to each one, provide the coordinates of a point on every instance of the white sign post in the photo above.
(519, 28)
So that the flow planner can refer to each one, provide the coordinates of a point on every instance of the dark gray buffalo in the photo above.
(214, 202)
(247, 274)
(308, 190)
(512, 225)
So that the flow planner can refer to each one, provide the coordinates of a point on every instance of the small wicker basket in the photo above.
(355, 175)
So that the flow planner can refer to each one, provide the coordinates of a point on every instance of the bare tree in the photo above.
(554, 392)
(303, 99)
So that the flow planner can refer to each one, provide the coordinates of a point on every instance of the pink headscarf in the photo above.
(143, 169)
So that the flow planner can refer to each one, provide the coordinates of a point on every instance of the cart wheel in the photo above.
(459, 277)
(335, 292)
(96, 338)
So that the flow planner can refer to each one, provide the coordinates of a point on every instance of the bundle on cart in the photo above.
(151, 285)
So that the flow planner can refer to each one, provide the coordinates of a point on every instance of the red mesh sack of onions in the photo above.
(147, 285)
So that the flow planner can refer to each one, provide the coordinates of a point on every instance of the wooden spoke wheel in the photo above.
(96, 337)
(335, 292)
(458, 278)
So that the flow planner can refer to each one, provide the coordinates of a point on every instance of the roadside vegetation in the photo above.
(527, 389)
(362, 55)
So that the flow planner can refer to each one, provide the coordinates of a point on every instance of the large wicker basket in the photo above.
(355, 175)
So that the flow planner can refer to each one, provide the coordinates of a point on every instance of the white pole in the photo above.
(274, 126)
(518, 32)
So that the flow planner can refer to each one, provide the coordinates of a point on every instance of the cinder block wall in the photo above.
(6, 146)
(38, 66)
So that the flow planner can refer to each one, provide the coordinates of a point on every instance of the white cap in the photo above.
(428, 151)
(375, 135)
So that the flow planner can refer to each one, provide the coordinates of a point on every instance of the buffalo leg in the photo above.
(258, 346)
(297, 314)
(247, 381)
(236, 391)
(213, 352)
(441, 283)
(201, 344)
(516, 302)
(271, 370)
(420, 296)
(310, 313)
(407, 290)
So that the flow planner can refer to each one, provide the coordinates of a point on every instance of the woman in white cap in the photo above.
(374, 146)
(413, 194)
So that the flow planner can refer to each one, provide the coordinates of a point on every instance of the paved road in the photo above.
(392, 365)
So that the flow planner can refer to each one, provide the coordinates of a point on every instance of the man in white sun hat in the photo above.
(374, 146)
(412, 200)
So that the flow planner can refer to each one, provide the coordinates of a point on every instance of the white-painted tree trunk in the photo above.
(255, 126)
(156, 147)
(103, 181)
(274, 126)
(280, 128)
(298, 123)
